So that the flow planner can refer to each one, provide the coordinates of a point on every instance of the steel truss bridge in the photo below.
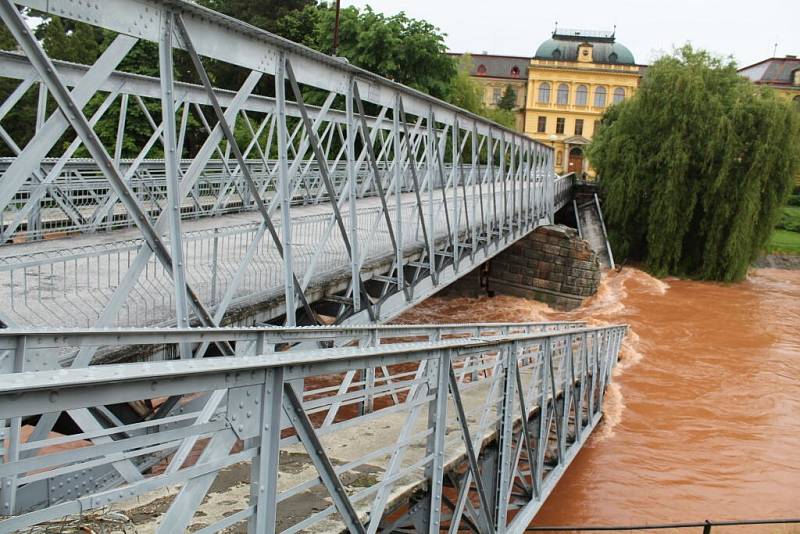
(193, 212)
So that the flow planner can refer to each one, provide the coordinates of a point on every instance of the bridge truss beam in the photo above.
(452, 188)
(506, 407)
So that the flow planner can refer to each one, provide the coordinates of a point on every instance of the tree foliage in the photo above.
(406, 50)
(263, 14)
(467, 93)
(695, 167)
(409, 51)
(508, 101)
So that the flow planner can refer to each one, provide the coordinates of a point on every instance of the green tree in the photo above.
(6, 41)
(695, 166)
(508, 101)
(467, 93)
(263, 14)
(464, 91)
(408, 51)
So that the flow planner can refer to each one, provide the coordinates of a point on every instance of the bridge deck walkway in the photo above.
(70, 282)
(231, 492)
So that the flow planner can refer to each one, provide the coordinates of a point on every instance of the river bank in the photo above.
(778, 261)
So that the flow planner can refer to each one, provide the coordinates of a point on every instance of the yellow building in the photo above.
(573, 78)
(568, 84)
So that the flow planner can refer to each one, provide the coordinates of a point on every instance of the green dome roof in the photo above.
(604, 49)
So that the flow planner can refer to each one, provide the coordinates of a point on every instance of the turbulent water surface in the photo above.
(703, 417)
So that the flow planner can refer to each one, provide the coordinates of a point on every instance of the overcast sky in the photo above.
(747, 30)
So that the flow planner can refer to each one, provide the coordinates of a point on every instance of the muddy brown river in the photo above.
(703, 417)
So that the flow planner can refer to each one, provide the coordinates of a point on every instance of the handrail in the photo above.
(605, 234)
(26, 383)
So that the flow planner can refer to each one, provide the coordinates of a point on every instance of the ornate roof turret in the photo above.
(564, 45)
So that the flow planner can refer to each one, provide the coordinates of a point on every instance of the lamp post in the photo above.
(336, 29)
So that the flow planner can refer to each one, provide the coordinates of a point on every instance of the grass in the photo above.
(783, 240)
(792, 212)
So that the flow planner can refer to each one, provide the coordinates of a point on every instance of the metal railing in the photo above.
(71, 287)
(427, 427)
(409, 192)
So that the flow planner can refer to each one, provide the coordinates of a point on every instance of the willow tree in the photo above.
(695, 167)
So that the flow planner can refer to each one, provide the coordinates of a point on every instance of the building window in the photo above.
(612, 58)
(481, 70)
(544, 93)
(541, 127)
(581, 95)
(578, 126)
(563, 94)
(560, 125)
(619, 95)
(515, 72)
(497, 94)
(600, 97)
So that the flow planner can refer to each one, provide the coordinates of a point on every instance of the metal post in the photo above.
(437, 418)
(503, 178)
(11, 441)
(505, 437)
(215, 265)
(398, 193)
(264, 483)
(123, 113)
(355, 263)
(513, 172)
(285, 187)
(172, 171)
(35, 216)
(431, 147)
(473, 178)
(454, 181)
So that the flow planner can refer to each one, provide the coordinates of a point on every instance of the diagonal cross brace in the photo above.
(323, 169)
(485, 515)
(305, 431)
(71, 110)
(245, 170)
(414, 176)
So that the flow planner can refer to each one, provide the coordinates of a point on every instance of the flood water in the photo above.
(703, 416)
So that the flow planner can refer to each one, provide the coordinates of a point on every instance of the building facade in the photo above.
(564, 89)
(780, 73)
(496, 73)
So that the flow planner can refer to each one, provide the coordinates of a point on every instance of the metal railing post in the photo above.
(355, 265)
(264, 468)
(285, 189)
(11, 440)
(435, 447)
(215, 265)
(166, 70)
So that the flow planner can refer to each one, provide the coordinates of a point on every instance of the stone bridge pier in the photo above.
(552, 264)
